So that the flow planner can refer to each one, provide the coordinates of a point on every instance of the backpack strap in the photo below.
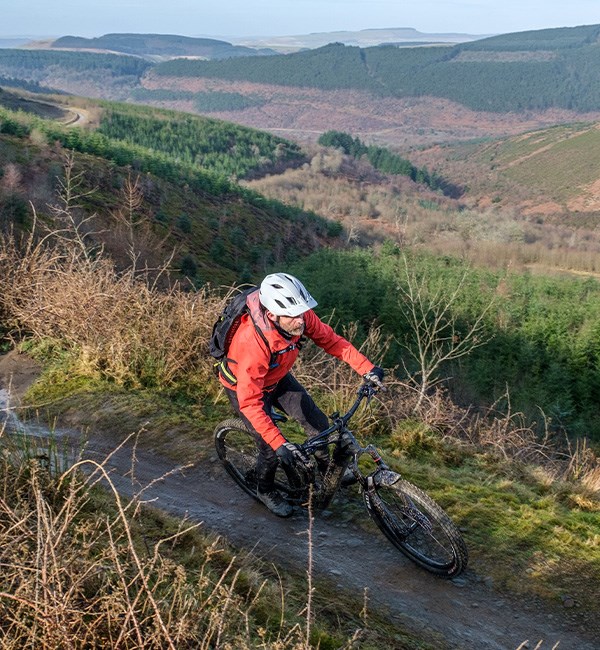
(223, 367)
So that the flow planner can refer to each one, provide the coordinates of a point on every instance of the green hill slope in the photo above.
(535, 70)
(553, 171)
(560, 162)
(34, 63)
(225, 148)
(220, 232)
(515, 72)
(84, 73)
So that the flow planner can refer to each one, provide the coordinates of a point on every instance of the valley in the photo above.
(303, 114)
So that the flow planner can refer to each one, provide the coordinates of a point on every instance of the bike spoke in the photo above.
(418, 527)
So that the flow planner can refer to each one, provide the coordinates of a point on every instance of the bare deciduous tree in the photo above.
(437, 336)
(11, 180)
(128, 218)
(134, 233)
(72, 225)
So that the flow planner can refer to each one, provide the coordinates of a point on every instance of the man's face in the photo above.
(293, 325)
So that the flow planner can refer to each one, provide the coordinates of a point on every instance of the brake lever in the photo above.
(371, 388)
(383, 388)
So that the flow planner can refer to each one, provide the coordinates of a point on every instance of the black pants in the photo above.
(290, 397)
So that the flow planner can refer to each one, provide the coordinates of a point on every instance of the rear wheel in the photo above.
(416, 524)
(238, 451)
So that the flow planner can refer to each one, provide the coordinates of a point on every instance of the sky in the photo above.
(220, 18)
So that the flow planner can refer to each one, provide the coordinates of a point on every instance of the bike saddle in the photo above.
(278, 417)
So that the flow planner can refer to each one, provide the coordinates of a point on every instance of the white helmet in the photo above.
(285, 295)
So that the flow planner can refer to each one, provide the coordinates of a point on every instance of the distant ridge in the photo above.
(361, 38)
(162, 46)
(533, 70)
(512, 73)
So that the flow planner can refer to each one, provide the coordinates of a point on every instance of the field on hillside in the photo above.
(547, 172)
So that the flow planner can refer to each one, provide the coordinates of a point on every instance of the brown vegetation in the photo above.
(85, 569)
(373, 207)
(304, 113)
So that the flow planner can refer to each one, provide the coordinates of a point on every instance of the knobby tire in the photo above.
(418, 527)
(237, 449)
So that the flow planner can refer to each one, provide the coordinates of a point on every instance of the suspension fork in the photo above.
(342, 457)
(375, 455)
(372, 451)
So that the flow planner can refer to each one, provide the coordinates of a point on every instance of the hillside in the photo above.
(84, 73)
(17, 102)
(519, 200)
(297, 113)
(405, 96)
(548, 172)
(158, 46)
(175, 207)
(518, 72)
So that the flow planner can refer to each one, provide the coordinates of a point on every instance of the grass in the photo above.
(556, 163)
(564, 168)
(170, 422)
(529, 533)
(532, 534)
(109, 572)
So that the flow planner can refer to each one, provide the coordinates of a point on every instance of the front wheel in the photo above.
(416, 525)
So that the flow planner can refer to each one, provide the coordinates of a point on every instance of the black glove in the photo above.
(291, 455)
(375, 376)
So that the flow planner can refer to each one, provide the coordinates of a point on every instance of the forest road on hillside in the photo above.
(465, 613)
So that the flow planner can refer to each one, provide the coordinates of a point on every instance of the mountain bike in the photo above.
(407, 516)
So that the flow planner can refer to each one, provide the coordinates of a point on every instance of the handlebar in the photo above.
(366, 391)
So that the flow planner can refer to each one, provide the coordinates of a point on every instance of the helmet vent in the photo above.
(285, 295)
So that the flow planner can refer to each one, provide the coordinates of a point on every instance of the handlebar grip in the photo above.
(375, 383)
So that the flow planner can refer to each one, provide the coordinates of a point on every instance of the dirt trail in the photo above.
(465, 613)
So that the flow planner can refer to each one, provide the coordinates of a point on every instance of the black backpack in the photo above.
(227, 324)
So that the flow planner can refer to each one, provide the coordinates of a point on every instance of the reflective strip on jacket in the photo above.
(248, 358)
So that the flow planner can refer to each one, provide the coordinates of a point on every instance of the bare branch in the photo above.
(437, 337)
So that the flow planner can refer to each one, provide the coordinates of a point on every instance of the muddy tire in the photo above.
(417, 525)
(237, 450)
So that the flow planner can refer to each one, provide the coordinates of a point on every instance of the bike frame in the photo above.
(346, 453)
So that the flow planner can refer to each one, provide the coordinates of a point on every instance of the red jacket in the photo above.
(248, 358)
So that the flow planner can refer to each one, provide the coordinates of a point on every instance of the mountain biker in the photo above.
(257, 378)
